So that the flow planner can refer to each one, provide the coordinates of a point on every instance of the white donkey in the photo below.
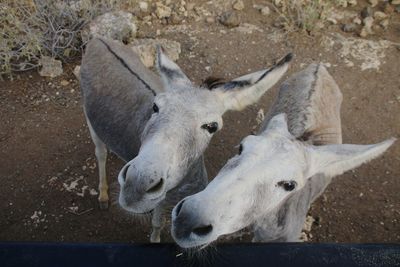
(159, 125)
(277, 174)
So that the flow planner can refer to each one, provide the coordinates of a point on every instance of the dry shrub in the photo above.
(30, 29)
(303, 14)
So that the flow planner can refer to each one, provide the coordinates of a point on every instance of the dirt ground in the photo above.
(48, 171)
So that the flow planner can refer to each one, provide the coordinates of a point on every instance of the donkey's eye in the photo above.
(155, 108)
(210, 127)
(240, 149)
(288, 185)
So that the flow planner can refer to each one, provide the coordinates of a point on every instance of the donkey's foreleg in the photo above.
(101, 156)
(157, 223)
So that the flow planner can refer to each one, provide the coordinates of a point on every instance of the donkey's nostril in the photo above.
(202, 230)
(124, 172)
(178, 208)
(156, 187)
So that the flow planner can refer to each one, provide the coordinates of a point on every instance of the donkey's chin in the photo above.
(141, 207)
(194, 242)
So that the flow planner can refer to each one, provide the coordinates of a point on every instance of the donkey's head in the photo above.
(184, 119)
(269, 168)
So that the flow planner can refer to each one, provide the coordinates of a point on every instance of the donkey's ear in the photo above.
(172, 76)
(333, 160)
(277, 124)
(247, 90)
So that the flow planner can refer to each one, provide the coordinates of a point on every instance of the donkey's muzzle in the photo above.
(187, 224)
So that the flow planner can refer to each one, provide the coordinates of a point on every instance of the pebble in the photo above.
(350, 27)
(342, 3)
(373, 3)
(379, 15)
(77, 71)
(366, 12)
(143, 6)
(388, 9)
(352, 2)
(357, 21)
(265, 11)
(210, 20)
(189, 6)
(64, 82)
(229, 19)
(384, 23)
(238, 5)
(363, 32)
(162, 11)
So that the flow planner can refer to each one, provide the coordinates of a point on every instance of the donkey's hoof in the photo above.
(155, 238)
(103, 205)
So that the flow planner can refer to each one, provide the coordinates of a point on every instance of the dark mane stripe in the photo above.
(127, 67)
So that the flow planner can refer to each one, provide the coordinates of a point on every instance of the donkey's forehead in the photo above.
(271, 143)
(191, 97)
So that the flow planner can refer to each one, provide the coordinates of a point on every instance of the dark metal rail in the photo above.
(249, 255)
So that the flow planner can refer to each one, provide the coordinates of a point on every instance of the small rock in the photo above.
(373, 3)
(229, 19)
(175, 19)
(189, 6)
(258, 7)
(50, 67)
(363, 33)
(357, 21)
(118, 25)
(366, 12)
(376, 28)
(388, 9)
(342, 3)
(384, 23)
(379, 15)
(143, 6)
(64, 83)
(265, 11)
(162, 11)
(239, 5)
(280, 22)
(210, 20)
(332, 20)
(146, 49)
(352, 2)
(349, 27)
(368, 21)
(395, 2)
(77, 72)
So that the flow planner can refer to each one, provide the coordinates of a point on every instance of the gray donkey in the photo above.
(159, 125)
(277, 174)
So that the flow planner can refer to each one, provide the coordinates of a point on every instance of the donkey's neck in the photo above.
(311, 100)
(118, 92)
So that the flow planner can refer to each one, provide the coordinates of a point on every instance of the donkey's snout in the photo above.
(178, 208)
(155, 187)
(122, 174)
(202, 230)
